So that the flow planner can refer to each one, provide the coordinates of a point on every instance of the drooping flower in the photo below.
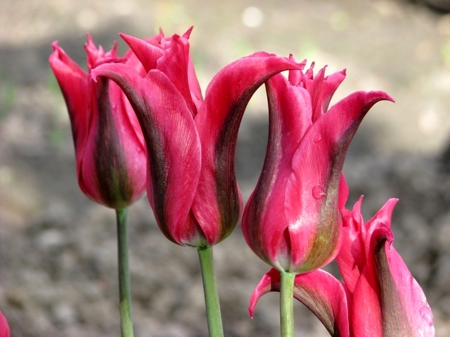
(291, 220)
(4, 327)
(378, 298)
(191, 142)
(109, 146)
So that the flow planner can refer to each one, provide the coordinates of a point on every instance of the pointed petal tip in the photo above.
(187, 34)
(269, 282)
(380, 96)
(301, 64)
(55, 45)
(90, 44)
(357, 206)
(95, 74)
(128, 38)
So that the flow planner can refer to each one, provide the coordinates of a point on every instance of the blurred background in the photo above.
(58, 274)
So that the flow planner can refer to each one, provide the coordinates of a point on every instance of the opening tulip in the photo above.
(291, 220)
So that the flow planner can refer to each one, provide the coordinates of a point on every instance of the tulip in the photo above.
(4, 328)
(110, 152)
(109, 146)
(291, 220)
(191, 142)
(379, 297)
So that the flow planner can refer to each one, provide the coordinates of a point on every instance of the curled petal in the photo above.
(319, 291)
(218, 122)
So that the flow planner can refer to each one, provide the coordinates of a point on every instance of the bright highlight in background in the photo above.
(252, 17)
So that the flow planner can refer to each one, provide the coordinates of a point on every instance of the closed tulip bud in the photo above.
(109, 146)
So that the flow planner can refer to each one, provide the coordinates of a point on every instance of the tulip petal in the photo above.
(289, 118)
(322, 88)
(389, 294)
(112, 170)
(352, 256)
(4, 327)
(74, 84)
(319, 291)
(317, 166)
(148, 52)
(356, 241)
(175, 62)
(172, 143)
(218, 122)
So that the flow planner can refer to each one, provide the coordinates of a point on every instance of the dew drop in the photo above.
(426, 314)
(318, 192)
(317, 138)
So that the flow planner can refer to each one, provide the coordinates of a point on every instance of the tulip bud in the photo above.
(378, 282)
(109, 146)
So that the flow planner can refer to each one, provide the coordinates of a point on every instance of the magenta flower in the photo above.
(4, 327)
(191, 142)
(109, 146)
(291, 220)
(379, 296)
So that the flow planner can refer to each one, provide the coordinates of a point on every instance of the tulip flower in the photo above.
(190, 141)
(110, 152)
(4, 327)
(109, 146)
(378, 297)
(291, 220)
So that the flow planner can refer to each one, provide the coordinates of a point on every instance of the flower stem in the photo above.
(287, 304)
(210, 291)
(126, 322)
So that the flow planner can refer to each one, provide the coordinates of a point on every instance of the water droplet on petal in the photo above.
(426, 314)
(317, 138)
(318, 192)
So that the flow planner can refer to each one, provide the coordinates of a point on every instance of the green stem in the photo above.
(287, 304)
(211, 294)
(126, 322)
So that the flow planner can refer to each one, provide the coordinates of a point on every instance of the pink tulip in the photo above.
(4, 328)
(379, 296)
(109, 146)
(191, 142)
(291, 220)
